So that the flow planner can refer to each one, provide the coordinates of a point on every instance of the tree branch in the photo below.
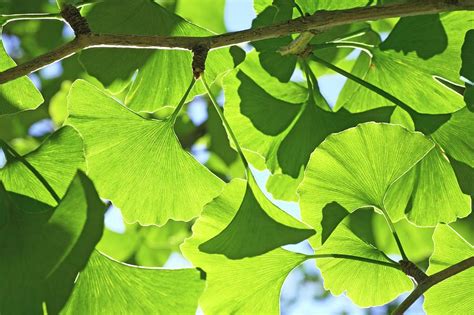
(431, 281)
(315, 23)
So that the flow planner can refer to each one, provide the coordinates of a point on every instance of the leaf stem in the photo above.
(40, 177)
(394, 233)
(7, 18)
(364, 83)
(226, 125)
(431, 281)
(181, 103)
(358, 258)
(308, 73)
(311, 77)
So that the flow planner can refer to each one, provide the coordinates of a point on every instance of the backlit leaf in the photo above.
(356, 168)
(232, 287)
(127, 153)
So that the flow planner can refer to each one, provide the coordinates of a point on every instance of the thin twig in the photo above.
(431, 281)
(317, 22)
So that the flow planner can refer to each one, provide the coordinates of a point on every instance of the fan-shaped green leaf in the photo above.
(258, 226)
(126, 152)
(57, 160)
(408, 63)
(163, 75)
(453, 295)
(366, 284)
(110, 287)
(232, 287)
(43, 250)
(19, 94)
(356, 168)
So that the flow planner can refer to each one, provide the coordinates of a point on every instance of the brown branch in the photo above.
(315, 23)
(431, 281)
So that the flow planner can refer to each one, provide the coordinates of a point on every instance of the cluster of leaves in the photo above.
(394, 156)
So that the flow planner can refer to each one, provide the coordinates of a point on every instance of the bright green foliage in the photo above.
(147, 246)
(126, 152)
(163, 75)
(357, 167)
(377, 173)
(43, 249)
(367, 284)
(57, 160)
(100, 290)
(411, 237)
(257, 227)
(244, 286)
(454, 293)
(295, 128)
(19, 94)
(407, 62)
(205, 13)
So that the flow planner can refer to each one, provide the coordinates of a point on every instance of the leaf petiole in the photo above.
(358, 258)
(394, 233)
(364, 83)
(226, 125)
(178, 108)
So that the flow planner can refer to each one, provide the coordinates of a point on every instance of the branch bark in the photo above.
(431, 281)
(315, 23)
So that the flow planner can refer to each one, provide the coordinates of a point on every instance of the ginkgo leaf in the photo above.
(107, 286)
(408, 64)
(296, 126)
(232, 287)
(452, 295)
(19, 94)
(257, 227)
(127, 153)
(163, 75)
(365, 283)
(57, 160)
(42, 251)
(356, 168)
